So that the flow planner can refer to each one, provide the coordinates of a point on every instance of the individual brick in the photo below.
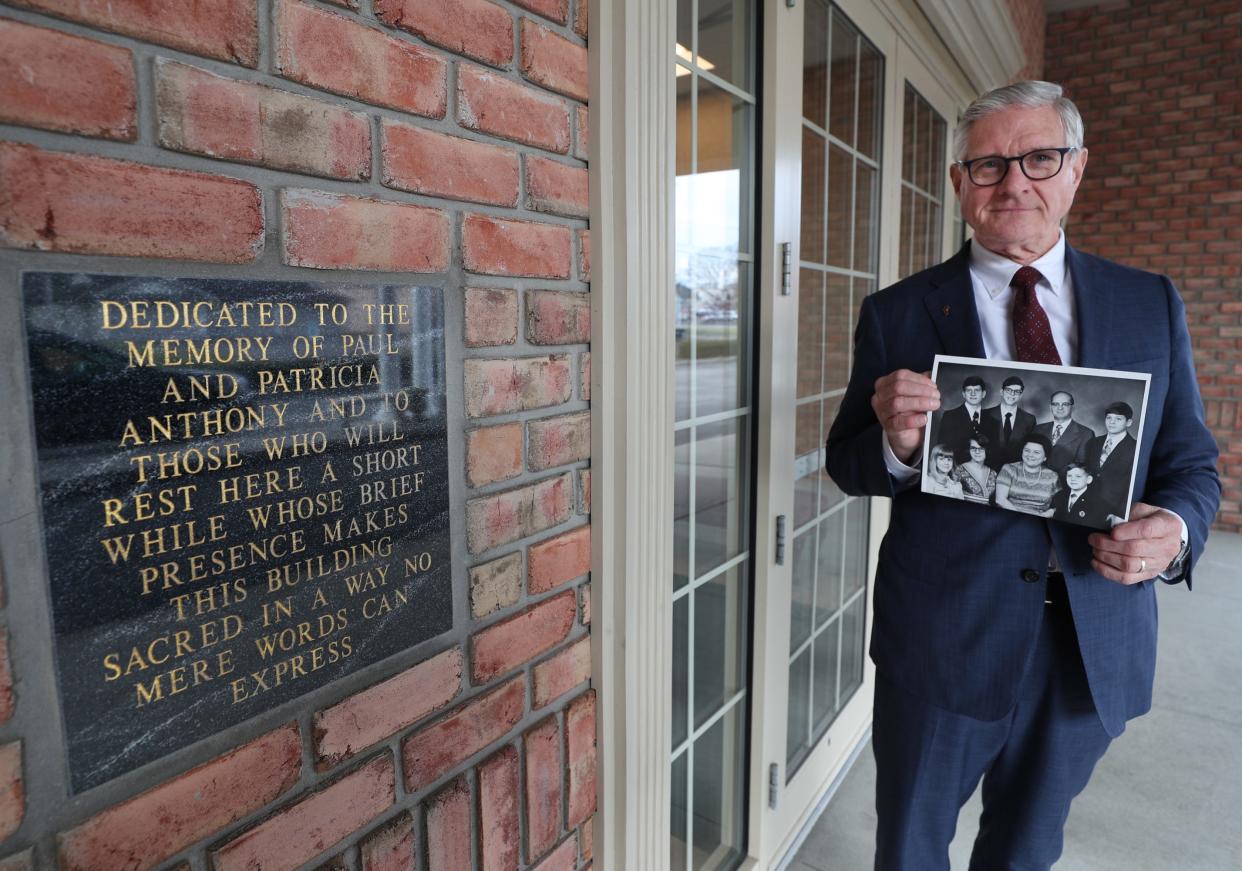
(81, 204)
(568, 669)
(499, 796)
(584, 488)
(223, 29)
(584, 255)
(392, 847)
(495, 246)
(555, 441)
(558, 560)
(504, 646)
(580, 758)
(558, 317)
(553, 61)
(556, 188)
(386, 708)
(12, 789)
(586, 834)
(61, 82)
(333, 231)
(426, 162)
(501, 386)
(328, 51)
(189, 807)
(493, 453)
(586, 605)
(563, 858)
(582, 126)
(556, 10)
(202, 113)
(491, 317)
(6, 678)
(500, 518)
(448, 828)
(490, 103)
(495, 585)
(475, 28)
(584, 376)
(301, 831)
(581, 22)
(434, 750)
(543, 787)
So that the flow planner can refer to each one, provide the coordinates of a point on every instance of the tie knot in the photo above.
(1026, 278)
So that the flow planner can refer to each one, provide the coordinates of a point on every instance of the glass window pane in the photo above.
(720, 210)
(857, 523)
(909, 137)
(722, 342)
(842, 78)
(797, 733)
(824, 692)
(870, 99)
(813, 187)
(807, 462)
(719, 799)
(828, 572)
(726, 40)
(815, 64)
(829, 493)
(685, 120)
(866, 217)
(852, 644)
(810, 332)
(837, 334)
(721, 504)
(681, 670)
(840, 208)
(803, 589)
(681, 508)
(720, 638)
(679, 812)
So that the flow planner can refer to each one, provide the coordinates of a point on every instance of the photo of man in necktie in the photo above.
(957, 425)
(1068, 437)
(1010, 423)
(1111, 457)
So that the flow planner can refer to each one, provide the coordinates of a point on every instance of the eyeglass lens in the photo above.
(1036, 165)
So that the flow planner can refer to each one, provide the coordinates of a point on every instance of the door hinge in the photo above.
(786, 266)
(780, 539)
(774, 784)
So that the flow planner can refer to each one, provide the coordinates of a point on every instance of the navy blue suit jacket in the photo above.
(955, 616)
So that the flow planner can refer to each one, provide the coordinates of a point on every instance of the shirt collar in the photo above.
(995, 271)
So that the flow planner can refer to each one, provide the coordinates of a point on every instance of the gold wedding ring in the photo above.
(1142, 566)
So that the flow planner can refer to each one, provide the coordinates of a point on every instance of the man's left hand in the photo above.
(1138, 549)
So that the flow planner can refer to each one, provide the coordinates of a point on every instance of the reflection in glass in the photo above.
(828, 568)
(813, 190)
(824, 694)
(808, 461)
(797, 729)
(679, 808)
(870, 81)
(852, 641)
(721, 492)
(803, 589)
(840, 209)
(842, 75)
(857, 527)
(720, 620)
(722, 326)
(815, 64)
(837, 333)
(922, 184)
(810, 331)
(719, 762)
(681, 669)
(681, 508)
(719, 218)
(725, 40)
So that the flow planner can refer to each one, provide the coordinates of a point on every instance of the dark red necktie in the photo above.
(1032, 334)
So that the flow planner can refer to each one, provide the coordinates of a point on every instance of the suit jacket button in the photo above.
(1030, 575)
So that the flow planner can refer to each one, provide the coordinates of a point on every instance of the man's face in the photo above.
(1062, 407)
(1018, 215)
(1116, 423)
(1077, 478)
(1011, 394)
(974, 394)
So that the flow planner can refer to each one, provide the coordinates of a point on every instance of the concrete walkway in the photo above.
(1168, 794)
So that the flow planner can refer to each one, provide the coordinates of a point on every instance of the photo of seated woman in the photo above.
(977, 478)
(1028, 484)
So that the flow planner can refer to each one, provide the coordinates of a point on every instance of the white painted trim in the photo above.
(632, 140)
(981, 36)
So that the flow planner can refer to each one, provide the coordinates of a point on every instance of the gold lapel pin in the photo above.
(946, 311)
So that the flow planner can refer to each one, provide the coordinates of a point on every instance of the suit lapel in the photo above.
(1093, 301)
(951, 307)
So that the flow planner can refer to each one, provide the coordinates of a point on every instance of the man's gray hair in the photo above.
(1028, 94)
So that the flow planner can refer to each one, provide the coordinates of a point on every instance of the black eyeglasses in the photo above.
(1037, 165)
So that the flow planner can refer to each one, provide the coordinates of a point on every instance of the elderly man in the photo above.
(1067, 436)
(1010, 648)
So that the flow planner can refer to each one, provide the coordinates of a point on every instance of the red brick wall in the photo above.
(1028, 20)
(1160, 87)
(440, 137)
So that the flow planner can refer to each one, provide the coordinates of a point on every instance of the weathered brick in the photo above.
(336, 863)
(386, 708)
(568, 669)
(586, 834)
(434, 750)
(558, 317)
(493, 453)
(563, 858)
(558, 560)
(557, 10)
(203, 113)
(6, 678)
(553, 61)
(427, 162)
(495, 585)
(12, 789)
(491, 317)
(494, 246)
(448, 828)
(501, 386)
(586, 605)
(513, 642)
(556, 188)
(333, 231)
(499, 792)
(392, 847)
(543, 787)
(555, 441)
(80, 204)
(584, 488)
(60, 82)
(329, 51)
(224, 29)
(584, 376)
(584, 255)
(500, 518)
(24, 861)
(189, 808)
(581, 21)
(303, 830)
(582, 126)
(475, 28)
(580, 758)
(490, 103)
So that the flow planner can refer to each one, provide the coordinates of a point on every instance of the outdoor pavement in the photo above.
(1168, 794)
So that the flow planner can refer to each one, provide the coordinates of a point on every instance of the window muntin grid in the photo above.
(922, 184)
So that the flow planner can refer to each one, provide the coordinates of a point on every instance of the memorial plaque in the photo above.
(244, 492)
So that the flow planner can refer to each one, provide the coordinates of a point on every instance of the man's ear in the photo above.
(955, 176)
(1078, 165)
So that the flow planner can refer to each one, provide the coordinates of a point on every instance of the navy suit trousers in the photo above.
(1033, 762)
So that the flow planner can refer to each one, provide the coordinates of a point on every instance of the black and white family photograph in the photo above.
(1058, 441)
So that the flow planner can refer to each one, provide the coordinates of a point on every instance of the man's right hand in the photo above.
(902, 402)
